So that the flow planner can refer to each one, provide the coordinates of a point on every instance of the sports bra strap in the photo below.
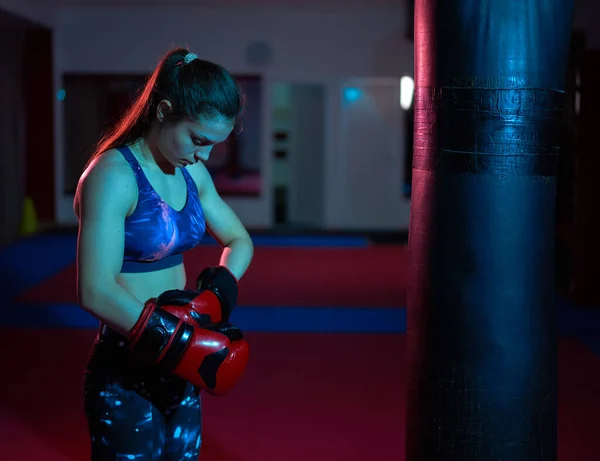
(135, 166)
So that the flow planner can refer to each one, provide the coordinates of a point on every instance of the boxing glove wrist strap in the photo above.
(160, 337)
(222, 283)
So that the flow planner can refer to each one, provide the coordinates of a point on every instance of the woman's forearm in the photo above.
(237, 255)
(113, 305)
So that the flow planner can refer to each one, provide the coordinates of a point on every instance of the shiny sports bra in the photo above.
(156, 235)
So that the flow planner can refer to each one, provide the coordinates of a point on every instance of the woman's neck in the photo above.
(150, 154)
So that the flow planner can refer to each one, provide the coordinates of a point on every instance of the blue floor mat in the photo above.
(31, 260)
(250, 319)
(573, 322)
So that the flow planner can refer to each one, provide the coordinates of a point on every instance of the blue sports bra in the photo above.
(156, 235)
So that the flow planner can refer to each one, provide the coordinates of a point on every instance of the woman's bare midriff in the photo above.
(147, 285)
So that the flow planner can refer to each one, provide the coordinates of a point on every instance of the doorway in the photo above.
(298, 125)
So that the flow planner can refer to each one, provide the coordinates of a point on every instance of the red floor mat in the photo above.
(301, 399)
(291, 405)
(362, 277)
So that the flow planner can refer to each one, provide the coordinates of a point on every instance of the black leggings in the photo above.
(136, 412)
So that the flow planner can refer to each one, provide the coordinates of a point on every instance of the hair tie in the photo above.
(189, 58)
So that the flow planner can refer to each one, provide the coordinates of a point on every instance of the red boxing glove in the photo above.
(212, 358)
(221, 370)
(212, 303)
(193, 307)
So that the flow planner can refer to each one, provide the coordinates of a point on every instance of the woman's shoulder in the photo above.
(110, 166)
(107, 174)
(200, 175)
(111, 159)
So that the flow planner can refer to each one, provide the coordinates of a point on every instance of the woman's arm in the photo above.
(104, 196)
(223, 224)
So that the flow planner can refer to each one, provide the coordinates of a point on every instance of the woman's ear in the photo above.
(163, 109)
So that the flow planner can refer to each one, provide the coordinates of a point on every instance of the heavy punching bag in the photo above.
(481, 337)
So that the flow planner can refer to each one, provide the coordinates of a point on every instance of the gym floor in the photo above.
(326, 378)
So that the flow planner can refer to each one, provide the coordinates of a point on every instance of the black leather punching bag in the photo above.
(481, 338)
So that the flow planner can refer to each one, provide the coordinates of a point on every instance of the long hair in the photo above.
(196, 88)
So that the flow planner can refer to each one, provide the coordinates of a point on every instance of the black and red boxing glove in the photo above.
(221, 282)
(212, 358)
(213, 302)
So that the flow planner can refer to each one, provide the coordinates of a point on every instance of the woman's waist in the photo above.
(147, 285)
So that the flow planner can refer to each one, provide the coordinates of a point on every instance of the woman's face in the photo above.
(189, 141)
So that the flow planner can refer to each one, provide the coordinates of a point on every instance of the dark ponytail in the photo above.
(194, 88)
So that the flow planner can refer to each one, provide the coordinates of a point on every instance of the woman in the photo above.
(144, 198)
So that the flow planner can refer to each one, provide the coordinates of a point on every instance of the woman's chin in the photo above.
(182, 163)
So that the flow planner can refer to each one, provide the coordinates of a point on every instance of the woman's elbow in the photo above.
(86, 293)
(90, 294)
(248, 242)
(245, 244)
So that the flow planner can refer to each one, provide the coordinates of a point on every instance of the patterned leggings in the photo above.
(134, 411)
